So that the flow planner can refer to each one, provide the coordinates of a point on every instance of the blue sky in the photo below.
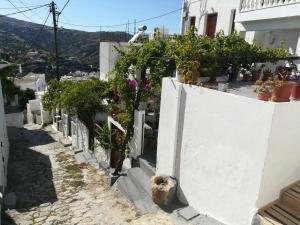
(103, 12)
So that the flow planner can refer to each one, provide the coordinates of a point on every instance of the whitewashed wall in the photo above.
(282, 166)
(82, 137)
(224, 150)
(224, 9)
(108, 56)
(15, 119)
(4, 145)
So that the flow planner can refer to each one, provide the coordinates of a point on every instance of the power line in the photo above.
(14, 13)
(28, 8)
(136, 22)
(64, 7)
(42, 28)
(20, 11)
(20, 7)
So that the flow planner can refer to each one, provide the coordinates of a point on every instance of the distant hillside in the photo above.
(18, 37)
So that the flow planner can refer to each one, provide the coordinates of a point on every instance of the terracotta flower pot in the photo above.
(264, 96)
(283, 93)
(296, 92)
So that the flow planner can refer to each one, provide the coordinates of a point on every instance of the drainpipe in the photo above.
(177, 146)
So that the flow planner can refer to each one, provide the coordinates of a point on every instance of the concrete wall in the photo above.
(82, 136)
(136, 142)
(108, 56)
(200, 9)
(282, 166)
(15, 119)
(223, 149)
(4, 146)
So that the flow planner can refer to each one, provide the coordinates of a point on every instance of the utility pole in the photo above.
(134, 26)
(53, 11)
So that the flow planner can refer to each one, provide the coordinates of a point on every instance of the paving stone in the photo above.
(50, 197)
(188, 213)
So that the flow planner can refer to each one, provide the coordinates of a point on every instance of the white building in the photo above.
(209, 16)
(33, 81)
(270, 22)
(266, 22)
(108, 55)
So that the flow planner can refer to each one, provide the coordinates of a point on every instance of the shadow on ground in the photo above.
(6, 219)
(29, 172)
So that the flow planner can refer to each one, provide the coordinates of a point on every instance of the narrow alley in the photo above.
(52, 189)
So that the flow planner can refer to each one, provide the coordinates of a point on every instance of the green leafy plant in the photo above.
(83, 98)
(103, 136)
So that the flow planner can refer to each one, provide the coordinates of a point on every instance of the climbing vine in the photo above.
(137, 76)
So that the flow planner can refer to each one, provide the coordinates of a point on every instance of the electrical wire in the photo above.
(126, 24)
(64, 7)
(28, 8)
(20, 11)
(14, 13)
(42, 28)
(20, 7)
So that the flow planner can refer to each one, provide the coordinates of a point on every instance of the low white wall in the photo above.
(101, 154)
(15, 119)
(282, 166)
(35, 105)
(4, 147)
(137, 140)
(167, 135)
(82, 136)
(226, 148)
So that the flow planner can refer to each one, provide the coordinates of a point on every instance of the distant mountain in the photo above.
(78, 49)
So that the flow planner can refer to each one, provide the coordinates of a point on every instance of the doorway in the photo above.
(211, 24)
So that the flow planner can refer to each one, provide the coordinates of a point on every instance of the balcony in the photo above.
(269, 14)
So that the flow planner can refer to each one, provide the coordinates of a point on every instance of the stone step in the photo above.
(147, 167)
(291, 199)
(66, 142)
(90, 157)
(140, 199)
(140, 179)
(79, 157)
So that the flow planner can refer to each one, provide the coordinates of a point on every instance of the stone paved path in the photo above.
(52, 189)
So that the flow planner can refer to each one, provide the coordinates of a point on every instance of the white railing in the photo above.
(248, 5)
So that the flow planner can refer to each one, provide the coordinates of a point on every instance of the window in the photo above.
(192, 21)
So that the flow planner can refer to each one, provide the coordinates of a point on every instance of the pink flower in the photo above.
(131, 83)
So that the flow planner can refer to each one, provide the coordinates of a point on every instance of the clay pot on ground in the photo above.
(264, 96)
(283, 93)
(296, 92)
(163, 190)
(115, 155)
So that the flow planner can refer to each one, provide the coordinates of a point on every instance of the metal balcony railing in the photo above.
(249, 5)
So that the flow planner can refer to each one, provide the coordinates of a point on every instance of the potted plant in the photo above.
(296, 89)
(282, 91)
(264, 92)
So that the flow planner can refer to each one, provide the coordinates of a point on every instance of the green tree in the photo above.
(83, 98)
